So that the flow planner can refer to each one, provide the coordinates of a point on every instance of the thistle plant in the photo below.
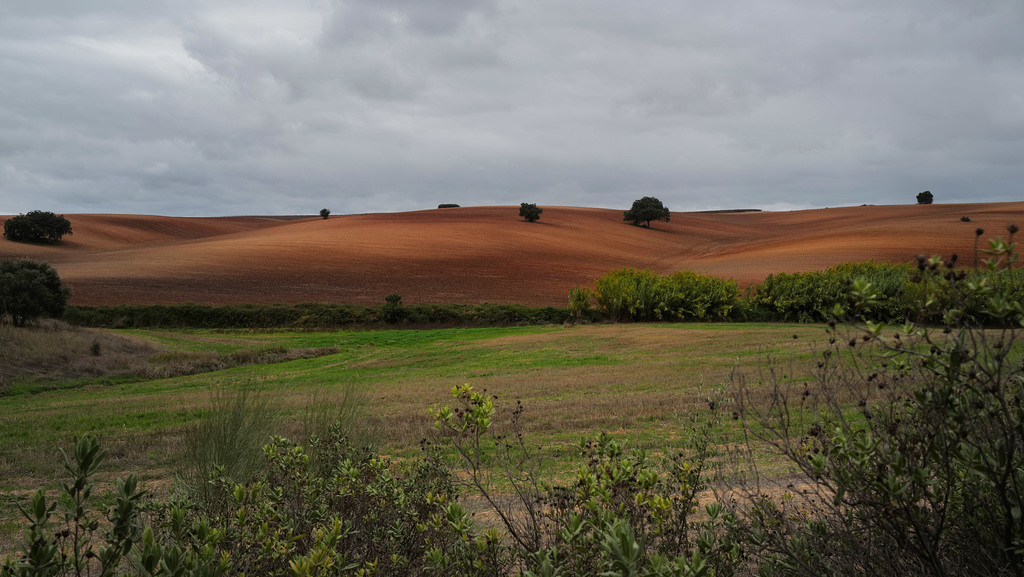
(910, 438)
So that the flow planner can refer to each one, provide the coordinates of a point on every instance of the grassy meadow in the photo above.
(640, 382)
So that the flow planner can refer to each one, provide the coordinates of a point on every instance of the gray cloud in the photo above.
(230, 107)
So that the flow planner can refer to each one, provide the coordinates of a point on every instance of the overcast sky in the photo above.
(223, 107)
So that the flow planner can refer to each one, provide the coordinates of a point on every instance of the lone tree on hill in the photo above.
(530, 211)
(646, 209)
(324, 212)
(29, 290)
(37, 226)
(925, 197)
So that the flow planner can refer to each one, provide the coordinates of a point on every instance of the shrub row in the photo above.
(309, 315)
(812, 296)
(623, 295)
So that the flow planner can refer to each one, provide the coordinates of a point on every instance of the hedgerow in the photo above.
(310, 315)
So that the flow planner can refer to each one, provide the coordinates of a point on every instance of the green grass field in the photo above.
(638, 381)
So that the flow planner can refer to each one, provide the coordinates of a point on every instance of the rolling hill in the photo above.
(477, 254)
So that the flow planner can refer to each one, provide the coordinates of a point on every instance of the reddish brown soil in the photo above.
(477, 254)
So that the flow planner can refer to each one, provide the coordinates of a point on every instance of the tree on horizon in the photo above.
(646, 209)
(530, 211)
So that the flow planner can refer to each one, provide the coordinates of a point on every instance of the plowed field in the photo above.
(477, 254)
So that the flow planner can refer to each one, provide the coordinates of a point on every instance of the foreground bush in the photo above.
(330, 509)
(910, 440)
(626, 513)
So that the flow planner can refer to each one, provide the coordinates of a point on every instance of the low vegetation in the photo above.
(310, 315)
(622, 295)
(54, 355)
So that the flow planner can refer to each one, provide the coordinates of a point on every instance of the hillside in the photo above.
(477, 254)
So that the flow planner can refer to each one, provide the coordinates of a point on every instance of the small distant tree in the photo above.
(646, 209)
(392, 311)
(925, 197)
(37, 226)
(324, 212)
(530, 211)
(447, 205)
(29, 290)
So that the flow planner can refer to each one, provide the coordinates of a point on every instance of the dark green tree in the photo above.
(392, 311)
(925, 197)
(37, 226)
(325, 212)
(646, 209)
(29, 290)
(530, 211)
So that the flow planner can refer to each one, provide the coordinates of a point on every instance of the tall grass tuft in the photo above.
(339, 414)
(228, 441)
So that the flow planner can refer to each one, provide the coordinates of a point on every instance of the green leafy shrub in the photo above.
(642, 295)
(79, 545)
(626, 513)
(812, 296)
(326, 509)
(579, 301)
(333, 508)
